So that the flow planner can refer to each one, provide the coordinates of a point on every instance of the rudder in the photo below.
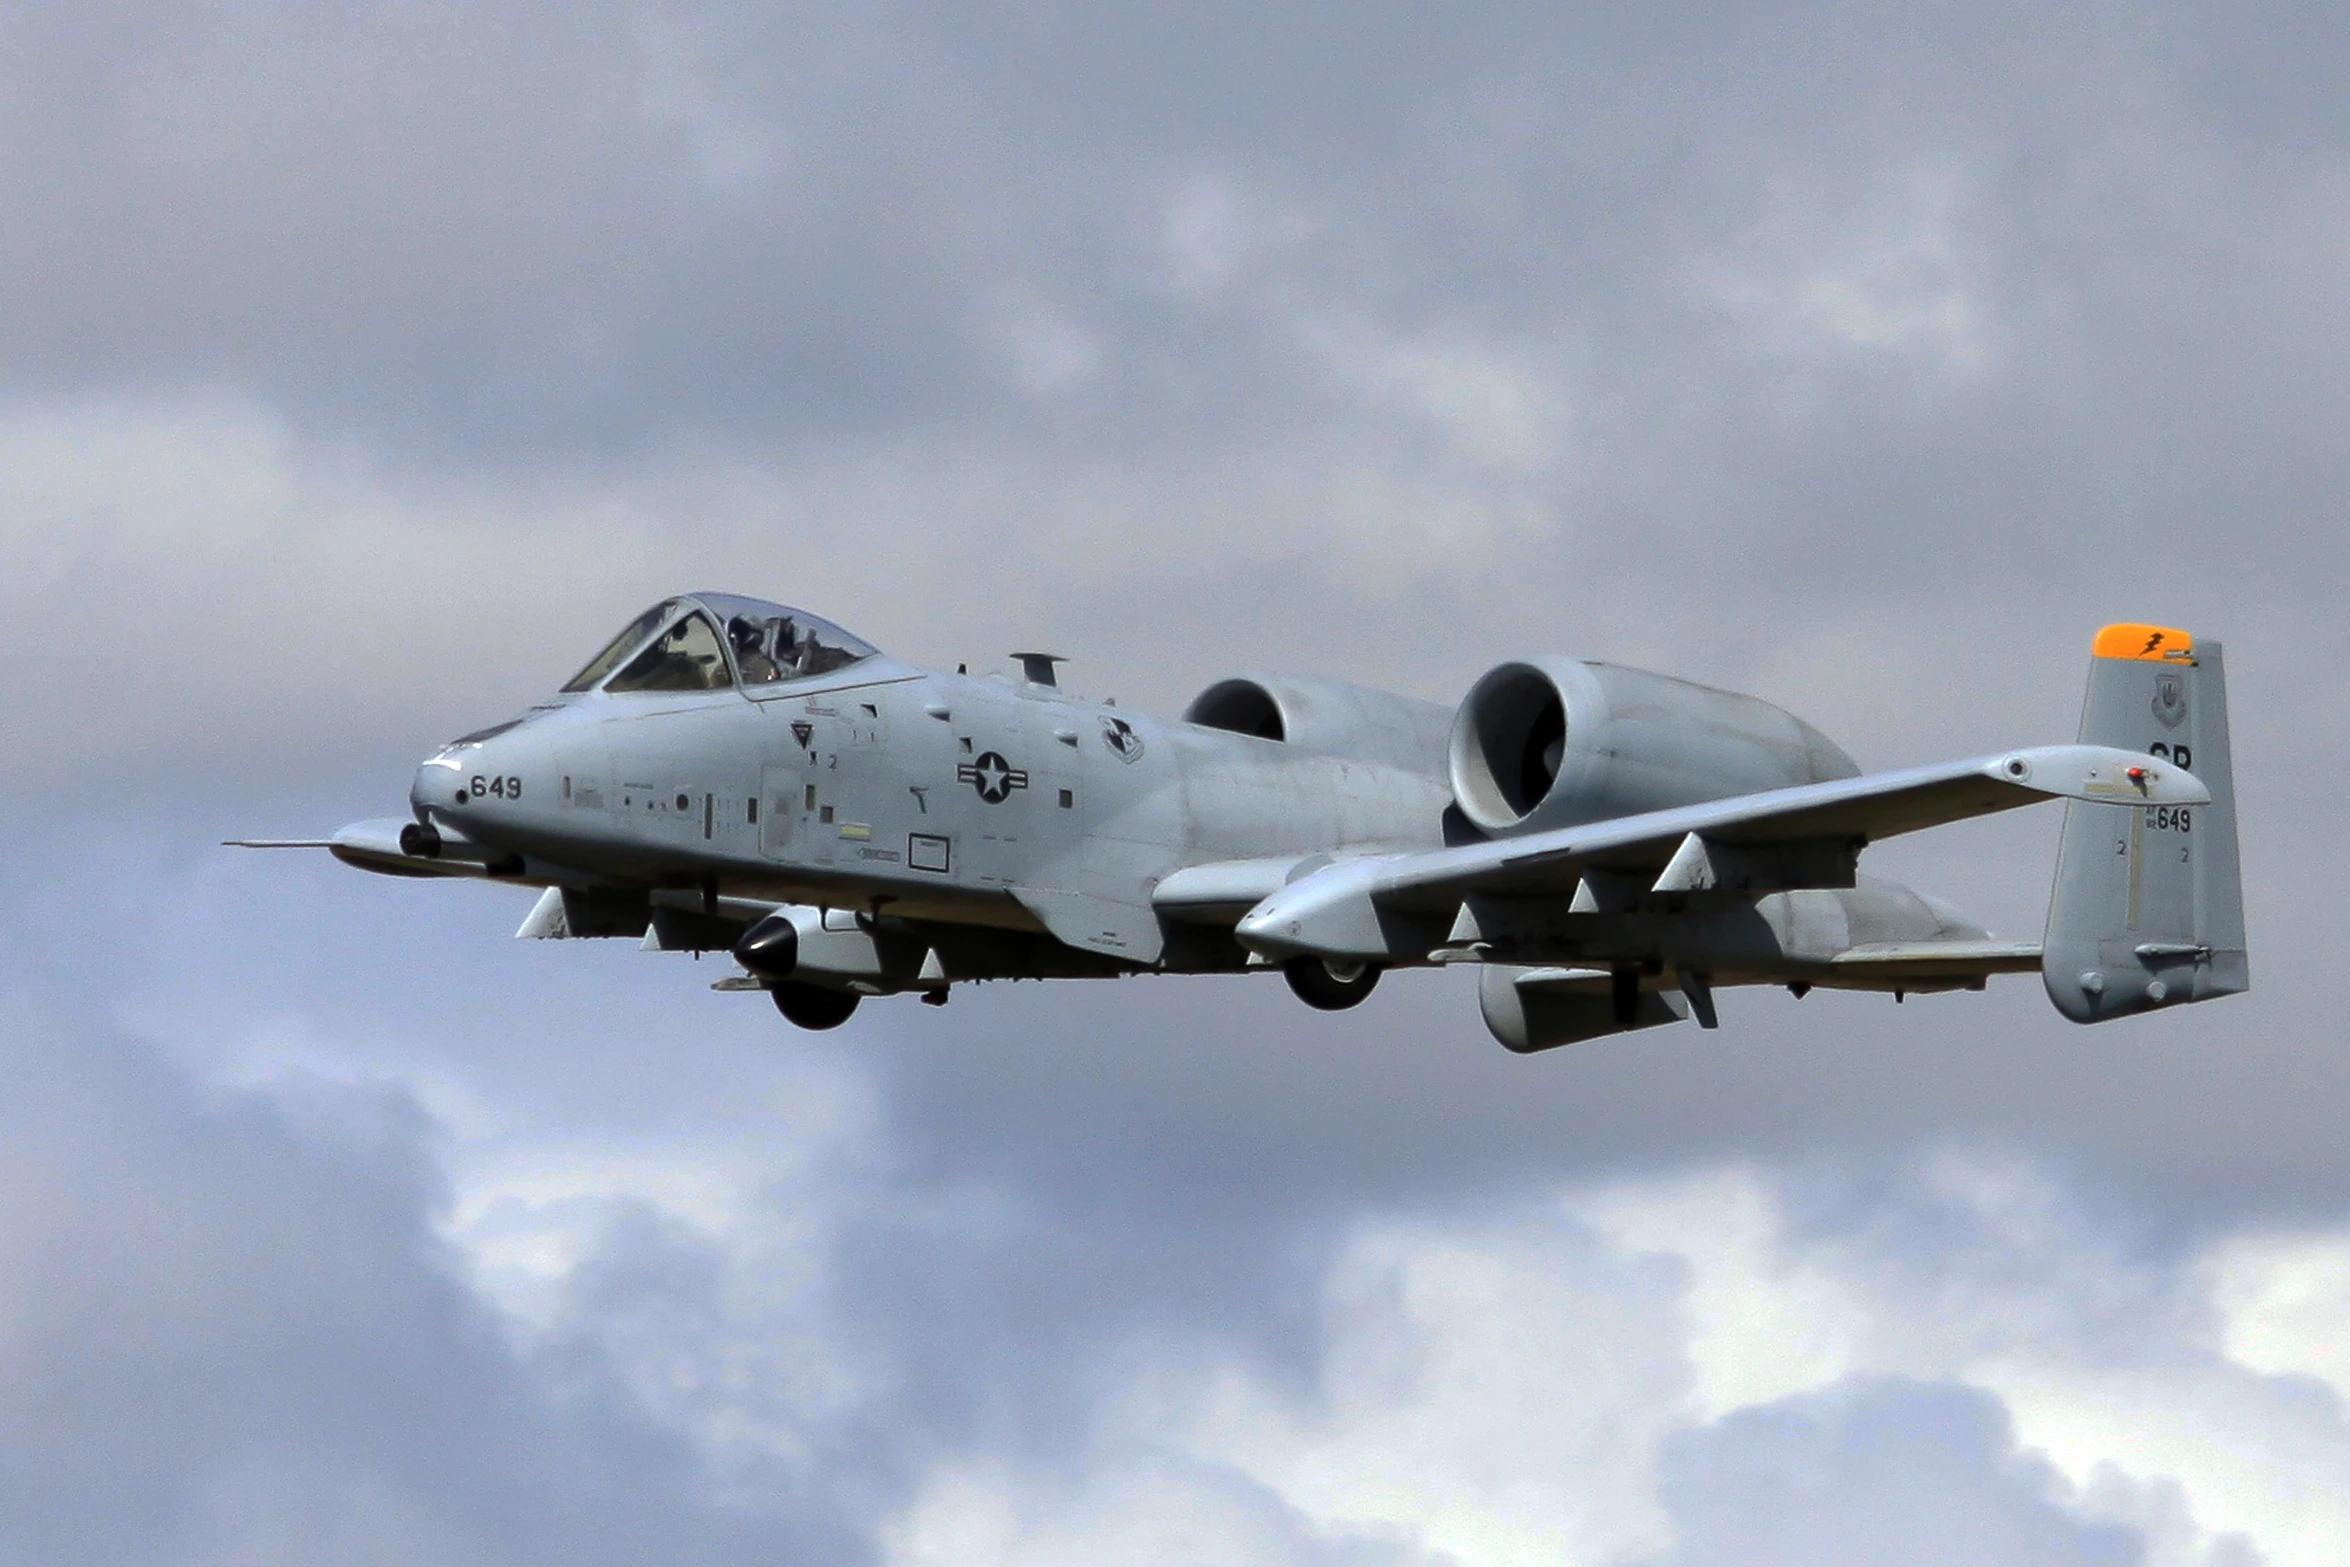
(2148, 905)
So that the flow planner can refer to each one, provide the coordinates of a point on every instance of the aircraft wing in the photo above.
(1870, 808)
(1344, 908)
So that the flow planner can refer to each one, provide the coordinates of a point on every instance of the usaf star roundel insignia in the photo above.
(992, 776)
(1122, 739)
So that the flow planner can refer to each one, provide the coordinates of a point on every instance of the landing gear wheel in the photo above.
(813, 1006)
(1327, 986)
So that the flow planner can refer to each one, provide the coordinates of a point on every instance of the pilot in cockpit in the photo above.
(809, 654)
(791, 649)
(752, 650)
(770, 648)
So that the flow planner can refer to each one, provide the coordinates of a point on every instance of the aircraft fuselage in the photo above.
(979, 801)
(1606, 845)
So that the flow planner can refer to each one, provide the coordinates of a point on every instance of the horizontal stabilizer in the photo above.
(1883, 965)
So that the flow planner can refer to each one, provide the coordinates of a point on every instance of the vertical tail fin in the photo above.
(2148, 907)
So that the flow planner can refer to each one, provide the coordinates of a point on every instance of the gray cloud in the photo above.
(359, 369)
(1883, 1472)
(1747, 250)
(966, 1251)
(1727, 339)
(231, 1334)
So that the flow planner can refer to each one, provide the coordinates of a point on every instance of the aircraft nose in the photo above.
(439, 786)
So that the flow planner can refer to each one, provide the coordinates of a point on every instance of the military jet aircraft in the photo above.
(1609, 846)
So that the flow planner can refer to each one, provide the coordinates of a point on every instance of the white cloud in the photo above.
(1611, 1374)
(1766, 1318)
(1501, 1391)
(1497, 1390)
(1895, 279)
(1045, 352)
(1150, 1512)
(1218, 234)
(734, 146)
(1490, 413)
(2284, 1300)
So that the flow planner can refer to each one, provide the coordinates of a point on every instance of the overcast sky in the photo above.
(362, 367)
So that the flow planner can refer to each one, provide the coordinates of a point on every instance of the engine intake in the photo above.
(1555, 742)
(1330, 716)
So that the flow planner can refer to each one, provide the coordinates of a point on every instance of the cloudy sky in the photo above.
(363, 366)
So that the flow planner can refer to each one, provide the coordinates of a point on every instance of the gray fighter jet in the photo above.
(1608, 846)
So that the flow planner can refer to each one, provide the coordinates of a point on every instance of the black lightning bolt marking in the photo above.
(2152, 643)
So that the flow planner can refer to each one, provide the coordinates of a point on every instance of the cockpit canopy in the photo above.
(710, 641)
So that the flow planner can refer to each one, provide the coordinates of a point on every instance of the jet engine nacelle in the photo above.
(1553, 742)
(1329, 716)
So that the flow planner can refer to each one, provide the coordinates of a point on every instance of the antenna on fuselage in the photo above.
(1037, 668)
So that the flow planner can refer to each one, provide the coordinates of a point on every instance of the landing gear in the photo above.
(1624, 996)
(1327, 986)
(813, 1006)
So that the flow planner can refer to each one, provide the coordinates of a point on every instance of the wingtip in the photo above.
(2101, 774)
